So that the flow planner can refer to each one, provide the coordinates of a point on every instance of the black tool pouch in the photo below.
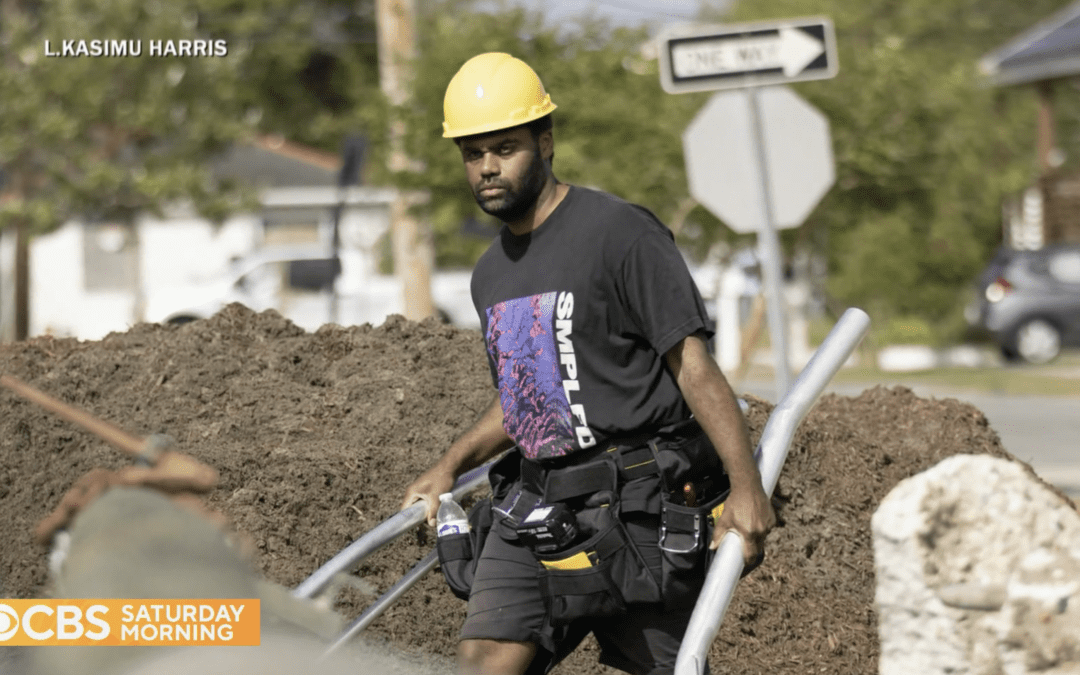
(685, 534)
(604, 571)
(683, 452)
(686, 457)
(597, 577)
(459, 553)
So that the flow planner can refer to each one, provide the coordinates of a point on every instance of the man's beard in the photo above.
(513, 205)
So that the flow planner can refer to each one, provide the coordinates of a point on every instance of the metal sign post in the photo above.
(758, 157)
(772, 272)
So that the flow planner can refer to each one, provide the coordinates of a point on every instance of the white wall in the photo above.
(172, 252)
(59, 303)
(188, 249)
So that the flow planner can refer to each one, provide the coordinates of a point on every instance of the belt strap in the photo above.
(634, 458)
(636, 463)
(578, 481)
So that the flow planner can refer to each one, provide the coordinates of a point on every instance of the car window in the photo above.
(1064, 266)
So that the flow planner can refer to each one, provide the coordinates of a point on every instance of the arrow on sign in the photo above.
(789, 49)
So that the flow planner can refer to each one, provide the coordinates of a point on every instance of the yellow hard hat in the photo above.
(490, 92)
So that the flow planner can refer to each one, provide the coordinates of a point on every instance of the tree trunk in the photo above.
(411, 243)
(22, 280)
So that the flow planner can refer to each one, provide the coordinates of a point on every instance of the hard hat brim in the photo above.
(537, 113)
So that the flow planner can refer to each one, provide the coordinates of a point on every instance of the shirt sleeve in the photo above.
(660, 296)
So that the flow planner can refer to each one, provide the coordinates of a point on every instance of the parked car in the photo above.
(296, 281)
(1029, 301)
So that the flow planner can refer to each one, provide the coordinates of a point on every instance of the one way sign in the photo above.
(745, 55)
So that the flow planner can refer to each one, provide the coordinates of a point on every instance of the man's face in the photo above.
(505, 171)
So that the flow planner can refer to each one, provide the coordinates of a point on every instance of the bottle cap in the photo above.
(446, 496)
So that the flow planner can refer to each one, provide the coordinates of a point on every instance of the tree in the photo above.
(615, 128)
(123, 124)
(925, 153)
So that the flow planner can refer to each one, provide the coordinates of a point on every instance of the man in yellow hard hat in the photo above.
(630, 457)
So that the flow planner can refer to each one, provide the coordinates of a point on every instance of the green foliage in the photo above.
(111, 136)
(925, 151)
(614, 127)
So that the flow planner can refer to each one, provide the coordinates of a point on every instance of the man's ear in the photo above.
(546, 142)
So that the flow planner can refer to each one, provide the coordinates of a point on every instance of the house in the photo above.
(90, 278)
(1042, 57)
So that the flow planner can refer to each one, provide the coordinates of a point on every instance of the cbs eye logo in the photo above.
(67, 620)
(9, 623)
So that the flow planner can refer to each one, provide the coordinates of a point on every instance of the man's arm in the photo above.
(747, 510)
(485, 439)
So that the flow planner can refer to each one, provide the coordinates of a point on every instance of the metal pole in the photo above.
(335, 247)
(368, 616)
(727, 566)
(771, 257)
(383, 533)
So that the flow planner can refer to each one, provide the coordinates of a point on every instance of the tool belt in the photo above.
(633, 538)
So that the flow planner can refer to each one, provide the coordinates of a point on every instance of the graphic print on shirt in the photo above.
(527, 339)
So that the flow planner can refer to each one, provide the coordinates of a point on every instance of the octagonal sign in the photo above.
(723, 160)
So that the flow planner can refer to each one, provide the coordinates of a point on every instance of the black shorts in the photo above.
(506, 604)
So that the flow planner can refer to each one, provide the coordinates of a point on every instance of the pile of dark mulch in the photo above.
(317, 434)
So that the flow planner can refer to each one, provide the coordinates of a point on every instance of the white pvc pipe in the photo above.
(727, 565)
(376, 609)
(382, 534)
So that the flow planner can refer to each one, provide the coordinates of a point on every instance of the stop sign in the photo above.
(723, 159)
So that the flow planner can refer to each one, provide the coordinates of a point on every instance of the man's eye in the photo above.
(506, 149)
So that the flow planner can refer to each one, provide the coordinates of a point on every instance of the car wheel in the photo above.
(1038, 341)
(1009, 353)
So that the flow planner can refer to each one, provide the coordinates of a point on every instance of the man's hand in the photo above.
(749, 513)
(427, 488)
(482, 441)
(180, 476)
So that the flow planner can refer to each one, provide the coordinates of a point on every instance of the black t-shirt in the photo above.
(577, 316)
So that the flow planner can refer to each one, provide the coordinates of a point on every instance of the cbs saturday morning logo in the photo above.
(125, 622)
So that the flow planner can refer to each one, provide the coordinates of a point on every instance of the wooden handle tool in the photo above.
(148, 449)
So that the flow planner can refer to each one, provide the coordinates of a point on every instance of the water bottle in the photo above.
(451, 518)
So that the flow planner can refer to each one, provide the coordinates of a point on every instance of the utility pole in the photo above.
(22, 280)
(411, 243)
(13, 191)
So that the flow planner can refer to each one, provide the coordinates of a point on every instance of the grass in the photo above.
(1060, 378)
(998, 380)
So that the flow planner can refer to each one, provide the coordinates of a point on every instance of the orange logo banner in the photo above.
(127, 622)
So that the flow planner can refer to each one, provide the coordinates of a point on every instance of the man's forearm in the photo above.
(716, 409)
(713, 404)
(485, 439)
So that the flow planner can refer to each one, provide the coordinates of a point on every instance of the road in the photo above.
(1041, 430)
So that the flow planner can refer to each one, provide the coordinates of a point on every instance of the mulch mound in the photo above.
(317, 434)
